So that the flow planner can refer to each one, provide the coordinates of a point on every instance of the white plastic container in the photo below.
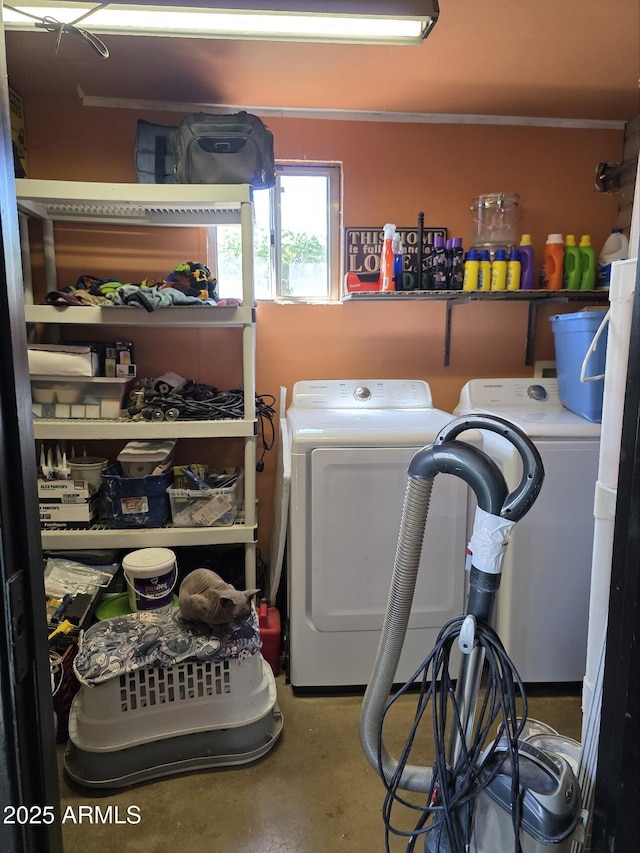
(151, 575)
(78, 396)
(616, 248)
(89, 469)
(141, 458)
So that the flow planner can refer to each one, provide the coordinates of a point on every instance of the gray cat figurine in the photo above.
(205, 597)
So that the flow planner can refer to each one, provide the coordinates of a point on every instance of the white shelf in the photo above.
(144, 204)
(97, 429)
(178, 316)
(153, 537)
(159, 205)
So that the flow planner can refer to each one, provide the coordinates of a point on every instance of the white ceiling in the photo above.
(549, 58)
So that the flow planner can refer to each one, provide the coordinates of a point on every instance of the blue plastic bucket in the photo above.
(573, 335)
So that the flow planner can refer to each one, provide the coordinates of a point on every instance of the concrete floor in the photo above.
(313, 793)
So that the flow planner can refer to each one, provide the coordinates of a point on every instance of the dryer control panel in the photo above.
(362, 394)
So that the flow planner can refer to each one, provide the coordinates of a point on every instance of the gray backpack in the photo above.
(224, 149)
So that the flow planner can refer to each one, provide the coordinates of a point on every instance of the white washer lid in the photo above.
(530, 403)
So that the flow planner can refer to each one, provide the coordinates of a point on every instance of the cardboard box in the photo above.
(69, 514)
(119, 359)
(63, 491)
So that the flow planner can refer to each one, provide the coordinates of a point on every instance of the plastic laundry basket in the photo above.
(575, 336)
(156, 721)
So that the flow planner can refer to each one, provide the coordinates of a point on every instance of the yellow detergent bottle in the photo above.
(513, 270)
(471, 270)
(484, 276)
(499, 271)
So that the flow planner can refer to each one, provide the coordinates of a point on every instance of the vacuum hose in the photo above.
(483, 475)
(480, 472)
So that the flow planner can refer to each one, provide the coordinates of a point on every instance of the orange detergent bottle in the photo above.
(553, 262)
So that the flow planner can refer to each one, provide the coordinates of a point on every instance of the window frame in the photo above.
(332, 170)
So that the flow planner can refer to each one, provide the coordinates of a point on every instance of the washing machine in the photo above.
(542, 605)
(350, 444)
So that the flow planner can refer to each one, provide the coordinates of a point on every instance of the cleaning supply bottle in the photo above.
(527, 270)
(398, 262)
(448, 256)
(616, 248)
(572, 272)
(439, 264)
(484, 275)
(587, 263)
(457, 264)
(471, 270)
(513, 270)
(386, 258)
(553, 262)
(499, 271)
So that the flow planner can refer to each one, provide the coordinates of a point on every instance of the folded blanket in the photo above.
(144, 639)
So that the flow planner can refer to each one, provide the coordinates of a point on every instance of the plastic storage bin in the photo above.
(573, 335)
(206, 507)
(140, 458)
(78, 396)
(135, 501)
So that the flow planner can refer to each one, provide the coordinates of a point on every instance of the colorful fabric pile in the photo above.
(190, 283)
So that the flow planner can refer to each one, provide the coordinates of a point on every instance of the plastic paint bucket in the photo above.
(151, 575)
(88, 468)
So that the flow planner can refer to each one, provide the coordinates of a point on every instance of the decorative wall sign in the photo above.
(363, 247)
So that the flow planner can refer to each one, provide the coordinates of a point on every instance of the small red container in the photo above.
(269, 623)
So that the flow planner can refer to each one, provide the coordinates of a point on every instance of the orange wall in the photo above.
(391, 172)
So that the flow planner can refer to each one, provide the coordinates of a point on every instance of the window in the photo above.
(296, 238)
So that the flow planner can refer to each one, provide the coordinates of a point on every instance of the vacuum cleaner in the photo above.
(489, 790)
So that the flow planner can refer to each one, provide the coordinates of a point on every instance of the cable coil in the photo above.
(447, 813)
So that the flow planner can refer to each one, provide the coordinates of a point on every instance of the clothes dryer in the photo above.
(543, 603)
(350, 444)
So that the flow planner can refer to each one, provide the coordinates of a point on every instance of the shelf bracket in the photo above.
(532, 320)
(447, 333)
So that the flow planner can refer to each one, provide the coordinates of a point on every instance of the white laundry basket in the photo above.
(158, 721)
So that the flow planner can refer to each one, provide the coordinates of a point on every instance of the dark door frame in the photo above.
(28, 758)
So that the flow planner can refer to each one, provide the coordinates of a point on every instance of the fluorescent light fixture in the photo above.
(375, 21)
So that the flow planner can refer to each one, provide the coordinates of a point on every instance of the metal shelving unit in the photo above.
(149, 205)
(534, 299)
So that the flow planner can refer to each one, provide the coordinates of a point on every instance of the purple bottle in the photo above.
(439, 264)
(457, 264)
(527, 272)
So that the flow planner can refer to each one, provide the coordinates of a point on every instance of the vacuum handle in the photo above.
(522, 498)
